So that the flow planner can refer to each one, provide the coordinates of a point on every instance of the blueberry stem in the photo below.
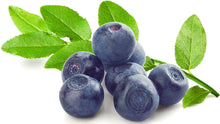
(193, 78)
(202, 83)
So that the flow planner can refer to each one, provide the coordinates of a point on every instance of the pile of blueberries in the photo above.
(136, 97)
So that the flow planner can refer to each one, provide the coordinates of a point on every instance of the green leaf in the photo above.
(158, 62)
(65, 22)
(33, 45)
(194, 95)
(58, 59)
(190, 44)
(111, 12)
(149, 64)
(27, 22)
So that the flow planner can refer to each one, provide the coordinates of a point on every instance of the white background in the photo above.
(29, 92)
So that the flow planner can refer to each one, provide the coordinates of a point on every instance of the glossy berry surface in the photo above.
(81, 96)
(138, 55)
(83, 63)
(170, 82)
(113, 43)
(136, 98)
(119, 73)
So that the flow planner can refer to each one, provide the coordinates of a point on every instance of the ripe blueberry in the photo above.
(118, 73)
(136, 98)
(81, 96)
(138, 55)
(170, 82)
(83, 63)
(113, 43)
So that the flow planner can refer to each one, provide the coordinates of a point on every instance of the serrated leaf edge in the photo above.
(64, 22)
(26, 21)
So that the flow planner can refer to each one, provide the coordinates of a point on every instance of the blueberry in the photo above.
(81, 96)
(108, 66)
(170, 82)
(136, 98)
(83, 63)
(118, 73)
(113, 43)
(138, 56)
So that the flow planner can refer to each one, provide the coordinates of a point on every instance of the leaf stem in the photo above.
(189, 71)
(202, 83)
(193, 78)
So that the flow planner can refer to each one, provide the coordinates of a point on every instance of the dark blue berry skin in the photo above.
(138, 56)
(113, 43)
(118, 73)
(136, 98)
(81, 96)
(170, 82)
(83, 63)
(107, 66)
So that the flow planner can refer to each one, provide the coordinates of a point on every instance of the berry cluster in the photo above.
(136, 97)
(82, 94)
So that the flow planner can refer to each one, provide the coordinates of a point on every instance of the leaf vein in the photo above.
(35, 27)
(111, 13)
(35, 46)
(65, 24)
(191, 39)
